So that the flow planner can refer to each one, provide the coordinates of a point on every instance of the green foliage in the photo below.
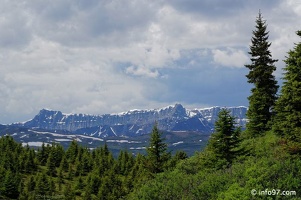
(263, 95)
(69, 193)
(288, 118)
(225, 141)
(157, 155)
(51, 161)
(43, 184)
(269, 168)
(43, 154)
(72, 152)
(11, 184)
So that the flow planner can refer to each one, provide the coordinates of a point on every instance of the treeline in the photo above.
(78, 173)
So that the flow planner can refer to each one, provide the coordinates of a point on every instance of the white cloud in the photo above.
(230, 57)
(111, 56)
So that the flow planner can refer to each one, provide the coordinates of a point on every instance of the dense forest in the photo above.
(261, 162)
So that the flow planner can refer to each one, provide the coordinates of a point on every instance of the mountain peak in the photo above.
(170, 118)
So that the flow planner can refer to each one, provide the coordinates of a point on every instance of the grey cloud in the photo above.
(74, 23)
(15, 30)
(218, 9)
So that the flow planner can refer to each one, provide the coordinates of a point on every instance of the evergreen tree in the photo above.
(78, 167)
(180, 155)
(288, 107)
(43, 185)
(138, 173)
(64, 164)
(50, 165)
(125, 162)
(157, 154)
(263, 95)
(86, 161)
(43, 154)
(110, 187)
(225, 141)
(30, 161)
(11, 185)
(72, 152)
(58, 152)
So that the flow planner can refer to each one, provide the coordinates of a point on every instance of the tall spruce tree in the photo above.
(157, 154)
(263, 94)
(224, 142)
(288, 107)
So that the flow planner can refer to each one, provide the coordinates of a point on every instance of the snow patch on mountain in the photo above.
(134, 122)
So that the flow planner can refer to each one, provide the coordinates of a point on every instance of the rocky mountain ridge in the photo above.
(174, 118)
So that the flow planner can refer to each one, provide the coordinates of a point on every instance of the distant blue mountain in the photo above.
(184, 129)
(133, 122)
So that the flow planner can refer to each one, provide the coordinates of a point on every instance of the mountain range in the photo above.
(178, 123)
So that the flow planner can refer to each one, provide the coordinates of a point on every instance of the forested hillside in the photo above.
(261, 162)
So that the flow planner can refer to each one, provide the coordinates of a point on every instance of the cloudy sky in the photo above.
(108, 56)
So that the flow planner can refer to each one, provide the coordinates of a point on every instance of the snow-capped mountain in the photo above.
(132, 123)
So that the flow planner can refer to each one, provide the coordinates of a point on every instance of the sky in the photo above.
(110, 56)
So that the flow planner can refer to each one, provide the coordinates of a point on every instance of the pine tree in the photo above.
(64, 164)
(138, 172)
(86, 161)
(11, 184)
(263, 95)
(288, 107)
(43, 185)
(180, 155)
(50, 165)
(225, 140)
(58, 152)
(124, 163)
(157, 154)
(72, 152)
(30, 161)
(43, 154)
(78, 168)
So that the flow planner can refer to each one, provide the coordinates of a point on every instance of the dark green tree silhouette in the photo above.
(43, 154)
(263, 94)
(157, 155)
(11, 184)
(288, 107)
(50, 165)
(72, 152)
(224, 142)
